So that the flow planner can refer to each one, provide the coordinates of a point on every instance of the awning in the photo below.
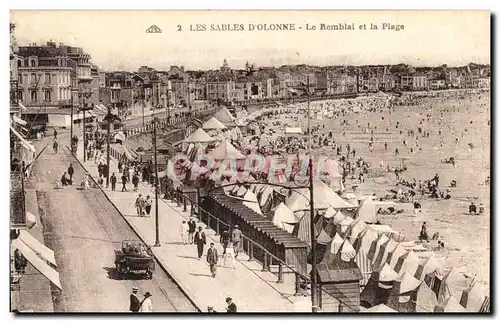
(47, 271)
(19, 121)
(37, 247)
(25, 143)
(30, 220)
(100, 109)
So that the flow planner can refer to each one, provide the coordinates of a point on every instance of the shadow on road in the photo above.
(189, 257)
(113, 275)
(204, 275)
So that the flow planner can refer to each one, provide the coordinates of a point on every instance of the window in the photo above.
(32, 78)
(32, 63)
(20, 95)
(20, 78)
(33, 95)
(47, 95)
(19, 63)
(47, 78)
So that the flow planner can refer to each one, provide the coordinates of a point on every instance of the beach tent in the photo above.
(346, 251)
(324, 197)
(284, 218)
(336, 243)
(344, 226)
(367, 211)
(379, 286)
(226, 151)
(329, 213)
(396, 253)
(241, 192)
(384, 253)
(250, 201)
(381, 308)
(450, 305)
(224, 115)
(199, 136)
(408, 263)
(429, 266)
(338, 217)
(377, 247)
(473, 297)
(453, 284)
(426, 299)
(265, 195)
(355, 229)
(362, 247)
(403, 293)
(213, 124)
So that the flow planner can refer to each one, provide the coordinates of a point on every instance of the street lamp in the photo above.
(157, 225)
(314, 280)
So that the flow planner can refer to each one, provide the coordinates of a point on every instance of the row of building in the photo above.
(51, 76)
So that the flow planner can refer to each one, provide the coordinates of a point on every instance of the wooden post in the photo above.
(297, 285)
(250, 251)
(184, 201)
(218, 228)
(265, 264)
(178, 197)
(280, 273)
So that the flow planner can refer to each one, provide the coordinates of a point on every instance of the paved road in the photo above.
(83, 228)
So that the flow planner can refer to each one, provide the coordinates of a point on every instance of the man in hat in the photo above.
(135, 303)
(200, 240)
(231, 307)
(192, 230)
(212, 258)
(146, 304)
(236, 238)
(225, 238)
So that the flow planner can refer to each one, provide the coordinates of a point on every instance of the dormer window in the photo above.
(33, 62)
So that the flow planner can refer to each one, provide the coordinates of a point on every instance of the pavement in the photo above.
(251, 289)
(84, 229)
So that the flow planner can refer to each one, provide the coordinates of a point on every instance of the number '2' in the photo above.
(179, 28)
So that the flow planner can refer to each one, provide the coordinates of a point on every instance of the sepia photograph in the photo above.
(250, 162)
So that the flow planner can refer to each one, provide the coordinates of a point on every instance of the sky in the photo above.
(118, 39)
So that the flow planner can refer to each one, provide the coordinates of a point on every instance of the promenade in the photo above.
(251, 289)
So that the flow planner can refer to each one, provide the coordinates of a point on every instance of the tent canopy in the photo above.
(213, 124)
(39, 248)
(224, 115)
(199, 136)
(324, 197)
(226, 151)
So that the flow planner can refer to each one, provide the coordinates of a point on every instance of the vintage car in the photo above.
(134, 258)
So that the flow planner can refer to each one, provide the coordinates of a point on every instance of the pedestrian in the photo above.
(139, 204)
(200, 240)
(135, 303)
(120, 166)
(212, 258)
(55, 134)
(71, 171)
(210, 309)
(113, 182)
(100, 170)
(55, 146)
(135, 181)
(229, 254)
(192, 230)
(124, 182)
(225, 238)
(236, 238)
(184, 230)
(64, 181)
(231, 307)
(147, 205)
(20, 262)
(146, 304)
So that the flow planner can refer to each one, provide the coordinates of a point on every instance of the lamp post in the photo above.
(157, 225)
(314, 281)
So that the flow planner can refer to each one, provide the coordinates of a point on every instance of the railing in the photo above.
(182, 200)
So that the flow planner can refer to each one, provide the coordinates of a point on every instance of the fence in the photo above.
(249, 246)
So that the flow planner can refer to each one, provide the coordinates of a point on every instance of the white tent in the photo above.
(330, 212)
(338, 218)
(224, 115)
(336, 243)
(368, 209)
(347, 252)
(408, 263)
(394, 255)
(364, 263)
(426, 299)
(284, 218)
(450, 305)
(226, 151)
(250, 200)
(213, 124)
(453, 284)
(199, 136)
(324, 197)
